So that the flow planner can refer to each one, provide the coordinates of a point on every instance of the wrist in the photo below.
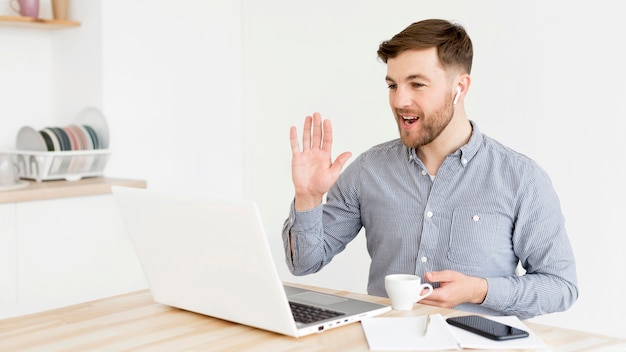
(480, 290)
(303, 203)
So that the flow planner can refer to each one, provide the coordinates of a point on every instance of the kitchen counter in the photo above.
(62, 243)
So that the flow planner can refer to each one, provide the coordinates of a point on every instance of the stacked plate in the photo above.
(88, 133)
(69, 152)
(56, 139)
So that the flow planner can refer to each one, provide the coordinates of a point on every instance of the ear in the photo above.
(463, 81)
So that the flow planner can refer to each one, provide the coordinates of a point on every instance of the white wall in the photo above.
(49, 76)
(172, 92)
(25, 78)
(200, 95)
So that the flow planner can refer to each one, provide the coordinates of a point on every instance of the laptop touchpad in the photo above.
(318, 298)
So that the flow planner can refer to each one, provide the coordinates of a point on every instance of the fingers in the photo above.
(306, 133)
(293, 140)
(312, 132)
(439, 276)
(327, 143)
(341, 160)
(316, 133)
(455, 288)
(317, 130)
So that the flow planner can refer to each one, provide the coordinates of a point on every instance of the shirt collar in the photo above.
(469, 150)
(465, 153)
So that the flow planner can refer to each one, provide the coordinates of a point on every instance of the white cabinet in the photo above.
(8, 260)
(64, 251)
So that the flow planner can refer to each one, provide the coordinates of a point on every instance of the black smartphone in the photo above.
(486, 327)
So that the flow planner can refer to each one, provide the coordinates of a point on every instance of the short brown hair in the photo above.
(454, 46)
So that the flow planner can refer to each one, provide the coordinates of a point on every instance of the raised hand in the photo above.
(312, 170)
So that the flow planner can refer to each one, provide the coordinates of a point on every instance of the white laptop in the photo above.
(213, 258)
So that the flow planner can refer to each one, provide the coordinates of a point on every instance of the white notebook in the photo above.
(406, 334)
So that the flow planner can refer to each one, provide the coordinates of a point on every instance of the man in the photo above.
(443, 201)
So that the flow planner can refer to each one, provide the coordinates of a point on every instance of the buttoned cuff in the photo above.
(498, 294)
(302, 221)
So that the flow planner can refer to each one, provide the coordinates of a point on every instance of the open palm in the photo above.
(312, 170)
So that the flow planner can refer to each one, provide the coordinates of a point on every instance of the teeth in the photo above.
(409, 120)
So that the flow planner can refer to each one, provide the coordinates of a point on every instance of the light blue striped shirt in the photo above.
(488, 208)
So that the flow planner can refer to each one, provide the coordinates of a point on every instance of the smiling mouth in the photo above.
(409, 120)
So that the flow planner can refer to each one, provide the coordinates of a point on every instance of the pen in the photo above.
(426, 324)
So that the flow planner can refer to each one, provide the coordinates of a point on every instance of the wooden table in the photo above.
(134, 322)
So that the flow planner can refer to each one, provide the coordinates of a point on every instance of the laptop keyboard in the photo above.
(308, 314)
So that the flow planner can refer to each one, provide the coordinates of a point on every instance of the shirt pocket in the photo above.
(472, 236)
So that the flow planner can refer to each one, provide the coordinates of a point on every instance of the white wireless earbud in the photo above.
(456, 97)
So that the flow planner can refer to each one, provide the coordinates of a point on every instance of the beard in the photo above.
(432, 125)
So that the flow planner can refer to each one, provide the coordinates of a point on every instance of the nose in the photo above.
(399, 98)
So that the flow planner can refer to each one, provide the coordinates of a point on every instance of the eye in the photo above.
(417, 85)
(392, 86)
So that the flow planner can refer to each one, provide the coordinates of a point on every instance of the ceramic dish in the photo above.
(87, 137)
(74, 144)
(56, 145)
(93, 135)
(63, 138)
(29, 139)
(93, 117)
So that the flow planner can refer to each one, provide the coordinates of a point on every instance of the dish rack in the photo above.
(72, 152)
(68, 165)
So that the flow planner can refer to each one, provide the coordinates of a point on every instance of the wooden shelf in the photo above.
(37, 22)
(62, 189)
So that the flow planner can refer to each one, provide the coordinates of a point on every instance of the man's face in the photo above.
(419, 95)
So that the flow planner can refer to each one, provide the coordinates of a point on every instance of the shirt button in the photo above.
(424, 259)
(464, 161)
(429, 214)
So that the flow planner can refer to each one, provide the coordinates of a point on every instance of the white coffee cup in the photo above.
(9, 174)
(405, 289)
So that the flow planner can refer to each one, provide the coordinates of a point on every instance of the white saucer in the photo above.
(19, 185)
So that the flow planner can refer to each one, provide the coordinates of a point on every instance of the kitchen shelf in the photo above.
(31, 22)
(36, 191)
